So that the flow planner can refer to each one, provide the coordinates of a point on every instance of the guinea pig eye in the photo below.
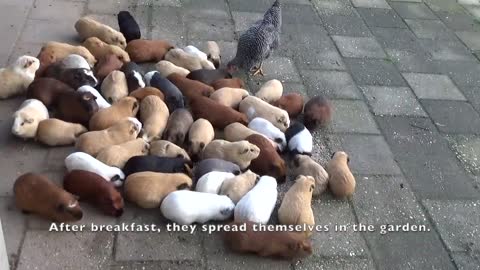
(312, 187)
(202, 145)
(334, 155)
(86, 97)
(61, 208)
(110, 100)
(28, 121)
(348, 159)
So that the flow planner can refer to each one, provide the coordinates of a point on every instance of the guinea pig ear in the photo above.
(348, 160)
(334, 155)
(183, 186)
(110, 100)
(28, 64)
(135, 105)
(312, 187)
(28, 120)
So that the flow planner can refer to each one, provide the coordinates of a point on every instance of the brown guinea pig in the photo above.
(341, 180)
(142, 50)
(232, 83)
(292, 103)
(217, 114)
(269, 162)
(141, 93)
(208, 76)
(317, 112)
(178, 126)
(96, 190)
(106, 65)
(190, 88)
(76, 107)
(37, 194)
(47, 90)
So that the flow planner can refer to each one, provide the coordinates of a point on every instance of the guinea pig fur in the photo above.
(271, 91)
(208, 76)
(141, 93)
(292, 103)
(270, 131)
(134, 75)
(154, 116)
(88, 27)
(214, 53)
(55, 132)
(229, 97)
(128, 26)
(27, 118)
(75, 61)
(142, 50)
(148, 77)
(92, 188)
(241, 153)
(53, 52)
(178, 125)
(235, 188)
(76, 107)
(341, 180)
(118, 155)
(257, 205)
(215, 165)
(163, 148)
(105, 118)
(148, 189)
(166, 68)
(190, 49)
(74, 77)
(106, 64)
(182, 59)
(237, 132)
(186, 207)
(305, 165)
(114, 87)
(173, 96)
(296, 207)
(36, 194)
(85, 162)
(300, 140)
(281, 244)
(47, 90)
(317, 112)
(190, 88)
(212, 182)
(231, 83)
(219, 115)
(100, 49)
(200, 134)
(17, 77)
(268, 162)
(157, 164)
(254, 107)
(102, 103)
(93, 142)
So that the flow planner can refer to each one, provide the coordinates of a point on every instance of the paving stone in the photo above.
(167, 3)
(408, 61)
(41, 31)
(471, 39)
(346, 25)
(228, 49)
(66, 250)
(413, 1)
(446, 50)
(375, 17)
(433, 29)
(472, 94)
(207, 29)
(212, 9)
(371, 4)
(15, 15)
(55, 10)
(462, 73)
(397, 39)
(358, 47)
(299, 14)
(13, 226)
(374, 72)
(474, 11)
(250, 6)
(146, 265)
(433, 86)
(243, 20)
(321, 152)
(280, 68)
(334, 7)
(446, 115)
(334, 263)
(445, 5)
(352, 116)
(459, 21)
(457, 223)
(289, 87)
(427, 162)
(108, 6)
(392, 101)
(413, 11)
(466, 261)
(168, 24)
(333, 84)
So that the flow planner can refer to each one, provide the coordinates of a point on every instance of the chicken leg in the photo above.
(258, 70)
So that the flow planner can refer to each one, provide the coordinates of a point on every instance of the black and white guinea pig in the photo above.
(134, 75)
(74, 77)
(128, 26)
(299, 139)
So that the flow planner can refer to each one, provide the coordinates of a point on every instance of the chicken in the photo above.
(256, 44)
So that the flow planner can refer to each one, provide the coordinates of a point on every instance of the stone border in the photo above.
(3, 250)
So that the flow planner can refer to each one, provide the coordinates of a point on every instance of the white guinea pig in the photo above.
(75, 61)
(16, 78)
(212, 182)
(257, 205)
(85, 162)
(102, 103)
(186, 207)
(265, 127)
(190, 49)
(27, 118)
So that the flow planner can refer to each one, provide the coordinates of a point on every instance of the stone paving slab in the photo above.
(333, 84)
(374, 72)
(353, 117)
(446, 115)
(392, 101)
(433, 86)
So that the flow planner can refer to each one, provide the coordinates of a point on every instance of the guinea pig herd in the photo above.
(187, 138)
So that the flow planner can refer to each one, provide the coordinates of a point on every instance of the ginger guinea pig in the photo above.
(105, 118)
(142, 50)
(341, 180)
(268, 162)
(292, 103)
(87, 27)
(53, 52)
(106, 64)
(208, 76)
(190, 88)
(231, 83)
(118, 155)
(271, 91)
(235, 188)
(114, 86)
(101, 49)
(55, 132)
(317, 112)
(241, 153)
(305, 165)
(167, 68)
(141, 93)
(154, 116)
(217, 114)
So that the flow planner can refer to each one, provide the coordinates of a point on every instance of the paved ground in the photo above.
(405, 81)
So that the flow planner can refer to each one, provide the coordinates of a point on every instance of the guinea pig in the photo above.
(214, 165)
(296, 207)
(148, 189)
(74, 77)
(85, 162)
(208, 76)
(257, 205)
(134, 75)
(341, 180)
(235, 188)
(100, 49)
(200, 134)
(186, 207)
(128, 26)
(282, 244)
(268, 162)
(88, 27)
(93, 142)
(254, 107)
(214, 53)
(118, 155)
(299, 139)
(241, 153)
(47, 90)
(154, 116)
(94, 189)
(142, 50)
(190, 88)
(183, 59)
(18, 76)
(102, 103)
(219, 115)
(166, 68)
(105, 118)
(36, 194)
(55, 132)
(157, 164)
(292, 103)
(237, 132)
(163, 148)
(270, 131)
(317, 112)
(141, 93)
(212, 182)
(305, 165)
(271, 91)
(106, 64)
(75, 61)
(229, 97)
(53, 52)
(231, 83)
(27, 118)
(173, 96)
(115, 87)
(76, 107)
(148, 77)
(190, 49)
(178, 125)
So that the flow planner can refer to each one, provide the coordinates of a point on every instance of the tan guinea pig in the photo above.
(101, 49)
(341, 181)
(241, 153)
(114, 86)
(237, 132)
(105, 118)
(88, 27)
(163, 148)
(200, 134)
(183, 59)
(166, 68)
(305, 165)
(118, 155)
(232, 83)
(141, 93)
(254, 107)
(148, 189)
(271, 91)
(154, 116)
(235, 188)
(229, 97)
(55, 132)
(53, 52)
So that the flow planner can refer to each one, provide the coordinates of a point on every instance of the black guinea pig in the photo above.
(134, 75)
(128, 26)
(157, 164)
(173, 96)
